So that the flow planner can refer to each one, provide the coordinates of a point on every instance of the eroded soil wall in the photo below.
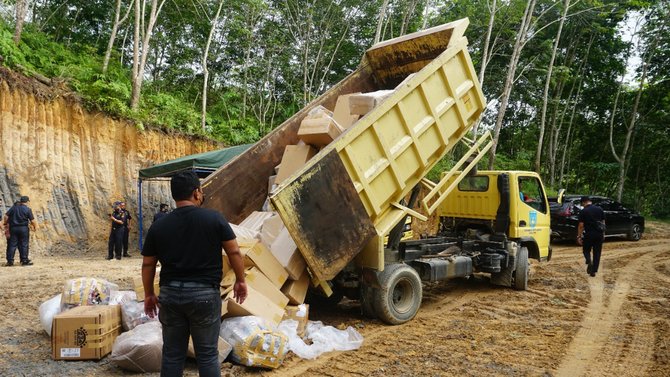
(73, 164)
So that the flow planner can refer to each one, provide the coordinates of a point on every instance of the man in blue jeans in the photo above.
(187, 242)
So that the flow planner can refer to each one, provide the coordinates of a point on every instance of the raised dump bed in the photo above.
(342, 203)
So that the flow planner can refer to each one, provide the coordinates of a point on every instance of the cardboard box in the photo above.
(271, 184)
(85, 332)
(260, 256)
(342, 115)
(300, 314)
(255, 304)
(244, 232)
(224, 349)
(295, 157)
(259, 282)
(254, 221)
(296, 290)
(270, 230)
(363, 103)
(319, 132)
(287, 253)
(139, 287)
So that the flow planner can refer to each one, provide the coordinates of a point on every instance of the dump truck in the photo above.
(347, 207)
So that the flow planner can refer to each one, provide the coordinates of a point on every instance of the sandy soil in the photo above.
(565, 324)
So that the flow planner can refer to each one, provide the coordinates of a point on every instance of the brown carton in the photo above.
(342, 115)
(260, 256)
(85, 332)
(286, 252)
(319, 132)
(139, 287)
(296, 290)
(363, 103)
(255, 278)
(254, 221)
(295, 157)
(300, 314)
(255, 304)
(270, 230)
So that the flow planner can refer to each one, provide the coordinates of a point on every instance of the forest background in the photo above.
(578, 90)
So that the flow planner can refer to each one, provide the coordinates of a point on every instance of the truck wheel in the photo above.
(367, 295)
(504, 277)
(522, 269)
(635, 232)
(399, 297)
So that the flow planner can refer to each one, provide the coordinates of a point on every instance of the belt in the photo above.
(188, 284)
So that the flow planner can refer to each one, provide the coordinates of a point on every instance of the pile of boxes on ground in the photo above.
(86, 321)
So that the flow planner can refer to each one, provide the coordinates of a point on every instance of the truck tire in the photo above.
(399, 298)
(635, 232)
(367, 296)
(504, 277)
(522, 269)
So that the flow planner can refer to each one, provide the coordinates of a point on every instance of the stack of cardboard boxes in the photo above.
(277, 276)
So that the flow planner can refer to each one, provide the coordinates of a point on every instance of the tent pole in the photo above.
(141, 222)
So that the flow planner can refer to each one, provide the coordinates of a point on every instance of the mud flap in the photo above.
(325, 216)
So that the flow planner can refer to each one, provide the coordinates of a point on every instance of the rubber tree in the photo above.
(20, 12)
(205, 70)
(118, 21)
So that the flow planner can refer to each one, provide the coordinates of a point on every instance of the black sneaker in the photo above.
(127, 255)
(593, 274)
(9, 264)
(27, 263)
(589, 269)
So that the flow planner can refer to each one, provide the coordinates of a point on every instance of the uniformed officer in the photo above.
(126, 228)
(20, 219)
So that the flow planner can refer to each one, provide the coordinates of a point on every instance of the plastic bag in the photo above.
(48, 311)
(86, 291)
(254, 342)
(139, 350)
(121, 297)
(324, 339)
(132, 315)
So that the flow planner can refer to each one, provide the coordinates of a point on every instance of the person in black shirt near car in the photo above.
(20, 219)
(591, 233)
(115, 244)
(187, 242)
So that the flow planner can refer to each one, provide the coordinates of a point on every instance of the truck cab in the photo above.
(496, 203)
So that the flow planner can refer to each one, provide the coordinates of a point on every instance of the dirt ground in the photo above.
(565, 324)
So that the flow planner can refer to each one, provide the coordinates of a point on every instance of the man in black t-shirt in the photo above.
(590, 234)
(20, 219)
(162, 212)
(187, 242)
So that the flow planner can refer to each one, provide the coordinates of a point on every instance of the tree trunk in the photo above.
(380, 21)
(511, 71)
(115, 29)
(21, 7)
(205, 71)
(139, 77)
(425, 14)
(545, 96)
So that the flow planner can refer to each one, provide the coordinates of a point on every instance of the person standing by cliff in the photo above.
(162, 212)
(115, 243)
(126, 228)
(20, 219)
(187, 242)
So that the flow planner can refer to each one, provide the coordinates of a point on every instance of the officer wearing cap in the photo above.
(20, 219)
(591, 233)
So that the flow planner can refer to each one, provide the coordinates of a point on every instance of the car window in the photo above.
(616, 206)
(531, 193)
(475, 183)
(606, 205)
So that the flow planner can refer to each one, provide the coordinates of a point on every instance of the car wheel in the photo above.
(635, 232)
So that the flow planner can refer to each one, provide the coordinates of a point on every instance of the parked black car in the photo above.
(621, 222)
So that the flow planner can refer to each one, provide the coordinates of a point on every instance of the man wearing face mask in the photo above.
(187, 242)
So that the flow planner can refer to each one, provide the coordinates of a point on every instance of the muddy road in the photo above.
(565, 324)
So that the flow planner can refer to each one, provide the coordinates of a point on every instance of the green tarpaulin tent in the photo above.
(201, 163)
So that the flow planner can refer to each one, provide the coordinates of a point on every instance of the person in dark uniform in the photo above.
(115, 244)
(188, 243)
(162, 212)
(126, 228)
(591, 233)
(21, 220)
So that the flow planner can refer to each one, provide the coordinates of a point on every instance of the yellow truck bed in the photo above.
(346, 199)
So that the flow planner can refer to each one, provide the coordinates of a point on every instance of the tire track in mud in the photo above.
(584, 354)
(428, 315)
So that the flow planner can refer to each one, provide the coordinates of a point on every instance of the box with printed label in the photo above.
(85, 332)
